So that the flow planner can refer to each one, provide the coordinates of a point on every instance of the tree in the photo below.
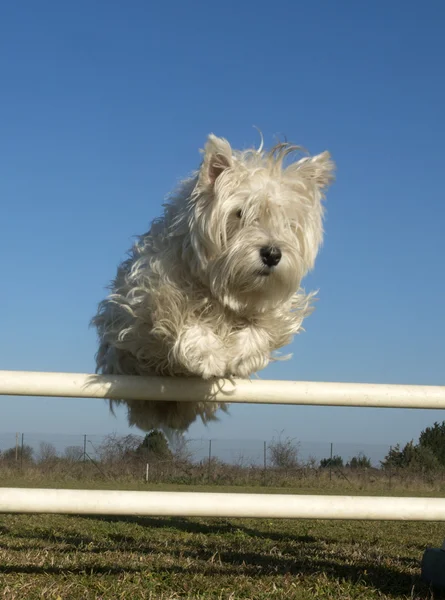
(180, 448)
(73, 453)
(427, 455)
(425, 459)
(25, 454)
(411, 456)
(284, 453)
(395, 458)
(155, 446)
(47, 452)
(359, 462)
(433, 438)
(116, 449)
(336, 462)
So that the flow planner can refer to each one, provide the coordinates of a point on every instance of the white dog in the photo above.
(213, 289)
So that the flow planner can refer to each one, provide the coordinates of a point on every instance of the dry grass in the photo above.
(317, 481)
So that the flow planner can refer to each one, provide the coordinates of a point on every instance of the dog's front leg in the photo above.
(200, 352)
(249, 351)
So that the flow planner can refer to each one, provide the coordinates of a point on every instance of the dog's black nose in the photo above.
(270, 256)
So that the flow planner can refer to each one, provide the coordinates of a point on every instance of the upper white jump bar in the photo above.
(80, 385)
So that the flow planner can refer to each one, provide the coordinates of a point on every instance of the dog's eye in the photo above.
(239, 214)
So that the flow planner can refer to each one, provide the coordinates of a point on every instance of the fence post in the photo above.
(390, 467)
(210, 460)
(84, 448)
(21, 452)
(265, 463)
(147, 466)
(330, 463)
(16, 447)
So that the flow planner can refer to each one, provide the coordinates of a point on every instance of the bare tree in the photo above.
(47, 453)
(283, 453)
(180, 448)
(73, 453)
(115, 448)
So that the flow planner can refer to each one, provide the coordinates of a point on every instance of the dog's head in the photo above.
(256, 225)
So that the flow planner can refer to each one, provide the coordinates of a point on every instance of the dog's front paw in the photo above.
(209, 366)
(248, 365)
(201, 353)
(249, 353)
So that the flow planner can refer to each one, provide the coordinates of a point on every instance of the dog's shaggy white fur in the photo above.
(213, 289)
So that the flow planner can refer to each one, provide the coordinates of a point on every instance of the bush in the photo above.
(118, 449)
(433, 439)
(335, 462)
(359, 462)
(283, 454)
(155, 446)
(73, 453)
(47, 453)
(24, 454)
(412, 457)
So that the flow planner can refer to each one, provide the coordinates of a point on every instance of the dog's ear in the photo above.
(316, 173)
(318, 169)
(217, 158)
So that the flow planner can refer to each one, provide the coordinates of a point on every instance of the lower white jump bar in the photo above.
(194, 504)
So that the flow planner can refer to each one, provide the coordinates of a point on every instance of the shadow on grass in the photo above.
(49, 570)
(303, 555)
(219, 527)
(385, 580)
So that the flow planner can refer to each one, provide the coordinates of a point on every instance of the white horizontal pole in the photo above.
(194, 504)
(80, 385)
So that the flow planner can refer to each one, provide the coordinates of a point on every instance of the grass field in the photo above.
(70, 557)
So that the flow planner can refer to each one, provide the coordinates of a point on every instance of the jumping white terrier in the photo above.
(213, 289)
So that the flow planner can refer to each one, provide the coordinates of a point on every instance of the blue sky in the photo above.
(103, 108)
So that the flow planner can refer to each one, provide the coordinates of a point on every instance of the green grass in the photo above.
(70, 557)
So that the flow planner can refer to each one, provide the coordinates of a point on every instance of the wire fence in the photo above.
(279, 461)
